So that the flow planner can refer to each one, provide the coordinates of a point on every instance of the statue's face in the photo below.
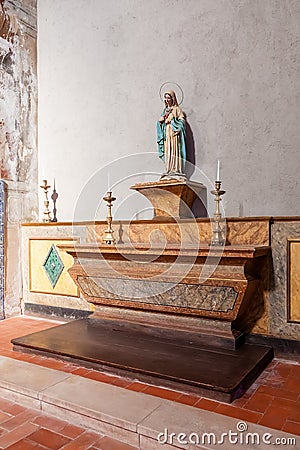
(168, 100)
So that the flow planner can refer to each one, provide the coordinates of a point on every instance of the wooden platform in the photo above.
(152, 355)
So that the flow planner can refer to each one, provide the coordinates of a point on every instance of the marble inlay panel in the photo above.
(281, 231)
(39, 280)
(294, 281)
(53, 265)
(191, 296)
(250, 232)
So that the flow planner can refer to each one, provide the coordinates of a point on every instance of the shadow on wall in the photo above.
(199, 208)
(190, 151)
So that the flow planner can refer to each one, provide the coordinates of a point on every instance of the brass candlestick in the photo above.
(109, 238)
(46, 217)
(54, 198)
(218, 237)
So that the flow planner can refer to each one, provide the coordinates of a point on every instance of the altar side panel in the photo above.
(39, 280)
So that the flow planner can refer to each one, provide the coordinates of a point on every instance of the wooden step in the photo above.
(174, 360)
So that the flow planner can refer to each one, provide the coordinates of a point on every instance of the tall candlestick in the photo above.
(218, 237)
(45, 187)
(109, 238)
(54, 198)
(218, 171)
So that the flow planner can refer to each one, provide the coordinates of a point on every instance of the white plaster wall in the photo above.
(101, 65)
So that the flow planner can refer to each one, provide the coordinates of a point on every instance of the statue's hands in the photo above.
(162, 119)
(176, 133)
(169, 118)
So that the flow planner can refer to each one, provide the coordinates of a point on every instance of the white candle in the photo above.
(108, 182)
(218, 171)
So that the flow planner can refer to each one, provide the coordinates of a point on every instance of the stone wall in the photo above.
(18, 134)
(101, 68)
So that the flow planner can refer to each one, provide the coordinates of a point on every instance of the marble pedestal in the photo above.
(172, 198)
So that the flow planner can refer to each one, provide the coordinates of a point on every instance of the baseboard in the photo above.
(283, 348)
(55, 312)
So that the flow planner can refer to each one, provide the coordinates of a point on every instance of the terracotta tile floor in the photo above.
(22, 428)
(273, 400)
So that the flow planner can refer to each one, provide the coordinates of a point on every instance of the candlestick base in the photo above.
(218, 234)
(109, 238)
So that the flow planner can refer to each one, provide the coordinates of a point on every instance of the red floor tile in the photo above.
(52, 364)
(292, 384)
(68, 367)
(24, 444)
(83, 442)
(71, 431)
(295, 371)
(49, 423)
(162, 393)
(24, 356)
(81, 371)
(48, 438)
(288, 405)
(239, 413)
(14, 409)
(5, 404)
(99, 376)
(274, 381)
(205, 403)
(122, 382)
(283, 369)
(137, 386)
(278, 393)
(16, 435)
(7, 352)
(259, 402)
(16, 421)
(4, 417)
(188, 399)
(273, 418)
(291, 427)
(107, 443)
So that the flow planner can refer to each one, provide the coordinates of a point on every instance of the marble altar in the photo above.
(163, 295)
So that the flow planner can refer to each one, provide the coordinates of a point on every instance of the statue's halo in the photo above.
(171, 86)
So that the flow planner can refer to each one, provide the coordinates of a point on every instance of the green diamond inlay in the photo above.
(53, 265)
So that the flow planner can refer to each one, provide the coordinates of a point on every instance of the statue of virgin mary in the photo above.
(171, 132)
